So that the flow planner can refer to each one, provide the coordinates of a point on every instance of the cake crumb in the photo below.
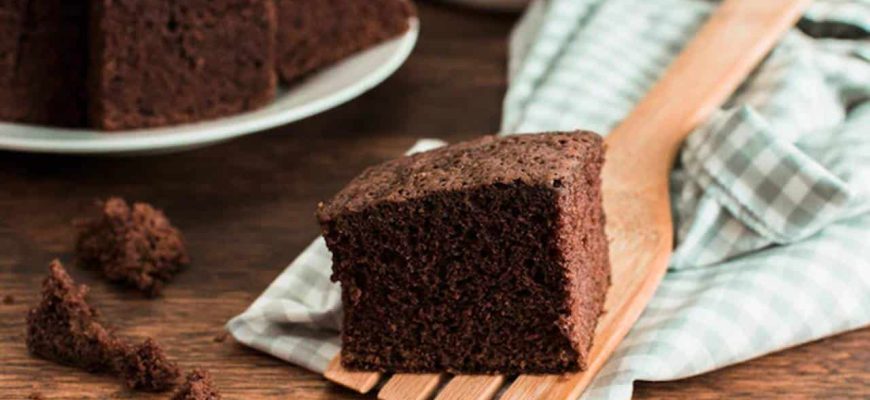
(36, 396)
(197, 386)
(221, 337)
(136, 245)
(146, 367)
(8, 299)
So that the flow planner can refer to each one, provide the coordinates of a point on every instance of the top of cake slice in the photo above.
(532, 159)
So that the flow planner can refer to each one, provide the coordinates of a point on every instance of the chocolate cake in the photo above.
(157, 62)
(316, 33)
(197, 386)
(145, 367)
(64, 328)
(135, 245)
(487, 256)
(42, 61)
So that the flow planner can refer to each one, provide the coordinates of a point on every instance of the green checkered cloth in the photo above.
(771, 197)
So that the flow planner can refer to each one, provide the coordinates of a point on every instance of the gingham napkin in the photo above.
(771, 197)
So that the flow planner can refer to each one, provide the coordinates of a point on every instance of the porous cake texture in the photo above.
(43, 56)
(158, 62)
(197, 386)
(135, 245)
(315, 33)
(145, 367)
(65, 329)
(487, 256)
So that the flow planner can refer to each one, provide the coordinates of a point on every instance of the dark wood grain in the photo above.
(246, 208)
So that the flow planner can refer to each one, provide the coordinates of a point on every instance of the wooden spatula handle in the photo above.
(710, 68)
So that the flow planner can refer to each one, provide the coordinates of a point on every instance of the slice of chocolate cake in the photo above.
(316, 33)
(197, 386)
(43, 52)
(156, 62)
(64, 328)
(487, 256)
(135, 245)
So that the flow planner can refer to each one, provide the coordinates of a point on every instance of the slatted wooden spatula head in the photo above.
(640, 155)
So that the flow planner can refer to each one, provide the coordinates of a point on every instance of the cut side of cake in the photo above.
(487, 256)
(315, 33)
(43, 55)
(156, 62)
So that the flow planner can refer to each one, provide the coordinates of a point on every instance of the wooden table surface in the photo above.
(246, 208)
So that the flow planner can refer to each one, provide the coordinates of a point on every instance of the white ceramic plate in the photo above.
(324, 90)
(497, 5)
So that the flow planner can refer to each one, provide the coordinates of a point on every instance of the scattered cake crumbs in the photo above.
(134, 245)
(145, 367)
(221, 337)
(197, 386)
(65, 329)
(8, 299)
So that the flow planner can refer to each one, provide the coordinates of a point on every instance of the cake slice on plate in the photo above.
(156, 62)
(42, 61)
(487, 256)
(315, 33)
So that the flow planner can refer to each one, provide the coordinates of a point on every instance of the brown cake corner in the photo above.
(197, 386)
(487, 256)
(64, 328)
(146, 367)
(315, 33)
(135, 245)
(156, 63)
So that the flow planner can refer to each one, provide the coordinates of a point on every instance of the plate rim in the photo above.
(165, 139)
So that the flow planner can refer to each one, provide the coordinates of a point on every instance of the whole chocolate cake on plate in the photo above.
(487, 256)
